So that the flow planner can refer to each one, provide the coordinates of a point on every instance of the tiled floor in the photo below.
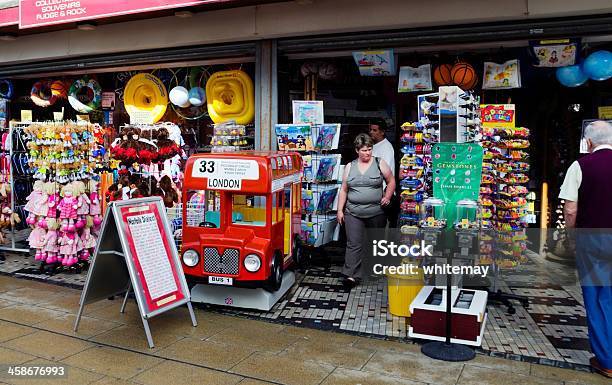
(552, 330)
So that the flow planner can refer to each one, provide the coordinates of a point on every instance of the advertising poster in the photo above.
(307, 112)
(375, 63)
(457, 169)
(294, 137)
(152, 256)
(498, 115)
(327, 136)
(555, 53)
(413, 79)
(501, 76)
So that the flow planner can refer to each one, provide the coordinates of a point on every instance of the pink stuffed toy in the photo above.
(35, 199)
(68, 207)
(50, 189)
(50, 242)
(36, 241)
(83, 199)
(68, 249)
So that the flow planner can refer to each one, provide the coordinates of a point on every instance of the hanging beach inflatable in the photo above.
(146, 94)
(230, 97)
(94, 91)
(41, 94)
(6, 89)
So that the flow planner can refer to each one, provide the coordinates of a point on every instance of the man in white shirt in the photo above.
(383, 149)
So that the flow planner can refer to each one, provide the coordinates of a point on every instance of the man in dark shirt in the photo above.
(587, 190)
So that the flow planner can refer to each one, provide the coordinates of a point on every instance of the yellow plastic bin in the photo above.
(402, 289)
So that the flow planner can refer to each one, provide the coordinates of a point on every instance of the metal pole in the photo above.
(449, 314)
(145, 323)
(192, 314)
(127, 292)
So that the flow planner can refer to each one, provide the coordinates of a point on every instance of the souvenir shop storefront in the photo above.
(526, 101)
(110, 126)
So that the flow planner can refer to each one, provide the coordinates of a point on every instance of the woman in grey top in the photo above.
(360, 203)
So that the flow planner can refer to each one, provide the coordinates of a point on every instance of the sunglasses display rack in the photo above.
(15, 185)
(415, 165)
(412, 174)
(64, 210)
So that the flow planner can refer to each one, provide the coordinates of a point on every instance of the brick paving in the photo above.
(110, 348)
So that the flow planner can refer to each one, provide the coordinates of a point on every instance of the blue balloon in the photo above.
(571, 76)
(598, 66)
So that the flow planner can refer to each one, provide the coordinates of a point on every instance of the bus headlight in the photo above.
(252, 263)
(191, 258)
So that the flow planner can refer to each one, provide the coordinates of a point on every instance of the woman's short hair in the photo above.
(363, 140)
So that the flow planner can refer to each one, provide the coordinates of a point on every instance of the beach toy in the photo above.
(95, 97)
(230, 97)
(146, 93)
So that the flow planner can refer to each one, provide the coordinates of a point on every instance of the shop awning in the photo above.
(459, 34)
(175, 57)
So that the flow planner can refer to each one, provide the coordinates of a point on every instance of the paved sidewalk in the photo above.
(36, 321)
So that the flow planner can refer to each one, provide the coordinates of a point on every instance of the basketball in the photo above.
(471, 85)
(58, 89)
(442, 75)
(463, 74)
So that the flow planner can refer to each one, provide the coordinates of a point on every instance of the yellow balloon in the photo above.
(145, 94)
(230, 97)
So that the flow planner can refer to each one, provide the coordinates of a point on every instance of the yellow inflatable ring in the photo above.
(231, 97)
(145, 93)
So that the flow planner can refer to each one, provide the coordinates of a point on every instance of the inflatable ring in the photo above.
(146, 93)
(195, 76)
(6, 89)
(230, 97)
(95, 101)
(41, 94)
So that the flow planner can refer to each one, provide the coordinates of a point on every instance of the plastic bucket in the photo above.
(402, 289)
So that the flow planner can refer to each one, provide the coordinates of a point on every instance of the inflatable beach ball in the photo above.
(179, 96)
(197, 96)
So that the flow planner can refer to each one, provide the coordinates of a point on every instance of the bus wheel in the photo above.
(276, 275)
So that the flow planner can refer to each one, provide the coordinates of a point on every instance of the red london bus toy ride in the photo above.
(241, 218)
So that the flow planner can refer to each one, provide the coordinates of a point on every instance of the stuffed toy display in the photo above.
(149, 161)
(63, 209)
(63, 224)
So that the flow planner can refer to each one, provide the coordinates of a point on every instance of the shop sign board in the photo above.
(457, 170)
(225, 174)
(498, 115)
(37, 13)
(9, 16)
(136, 250)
